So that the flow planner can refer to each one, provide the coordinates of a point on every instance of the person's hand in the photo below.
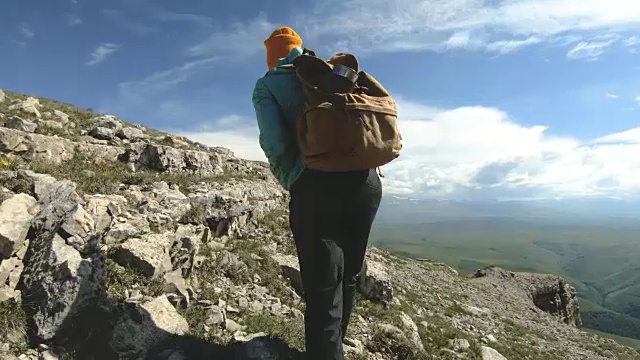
(379, 171)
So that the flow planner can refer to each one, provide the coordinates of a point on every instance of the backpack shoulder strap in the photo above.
(285, 66)
(305, 51)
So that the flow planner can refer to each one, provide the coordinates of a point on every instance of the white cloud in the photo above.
(27, 31)
(163, 15)
(590, 50)
(632, 41)
(242, 145)
(437, 25)
(508, 46)
(637, 99)
(384, 25)
(459, 40)
(73, 20)
(480, 152)
(631, 136)
(232, 132)
(612, 96)
(101, 53)
(242, 39)
(125, 21)
(163, 81)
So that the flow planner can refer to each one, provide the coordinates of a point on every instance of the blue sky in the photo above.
(522, 98)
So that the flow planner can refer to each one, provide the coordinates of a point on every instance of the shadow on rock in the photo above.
(71, 315)
(191, 348)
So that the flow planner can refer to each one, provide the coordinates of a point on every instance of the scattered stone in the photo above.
(353, 346)
(10, 271)
(460, 344)
(164, 158)
(32, 147)
(410, 326)
(246, 338)
(79, 223)
(291, 270)
(243, 303)
(16, 214)
(51, 124)
(231, 263)
(490, 339)
(29, 105)
(145, 326)
(102, 133)
(256, 307)
(42, 183)
(108, 122)
(215, 316)
(391, 339)
(60, 116)
(174, 283)
(2, 96)
(121, 231)
(475, 311)
(47, 355)
(131, 133)
(20, 124)
(233, 326)
(374, 283)
(488, 353)
(59, 279)
(149, 255)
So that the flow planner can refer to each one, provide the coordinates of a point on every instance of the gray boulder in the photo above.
(374, 283)
(57, 277)
(20, 124)
(154, 322)
(16, 214)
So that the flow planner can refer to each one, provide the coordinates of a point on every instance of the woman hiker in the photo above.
(330, 213)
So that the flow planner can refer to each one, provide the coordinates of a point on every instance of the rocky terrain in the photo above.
(121, 242)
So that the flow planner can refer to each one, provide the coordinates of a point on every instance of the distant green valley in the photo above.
(600, 258)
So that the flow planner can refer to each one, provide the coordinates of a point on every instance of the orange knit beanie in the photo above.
(280, 44)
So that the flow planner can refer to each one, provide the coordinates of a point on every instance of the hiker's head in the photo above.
(280, 44)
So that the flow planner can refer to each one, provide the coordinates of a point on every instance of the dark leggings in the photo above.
(331, 218)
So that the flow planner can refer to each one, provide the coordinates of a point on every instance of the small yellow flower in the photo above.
(4, 163)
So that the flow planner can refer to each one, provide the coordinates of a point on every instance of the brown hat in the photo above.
(280, 44)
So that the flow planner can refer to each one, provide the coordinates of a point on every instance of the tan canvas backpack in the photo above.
(349, 120)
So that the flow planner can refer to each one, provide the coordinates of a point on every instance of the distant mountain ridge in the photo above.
(578, 209)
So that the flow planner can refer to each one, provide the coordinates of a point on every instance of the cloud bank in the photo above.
(500, 27)
(477, 152)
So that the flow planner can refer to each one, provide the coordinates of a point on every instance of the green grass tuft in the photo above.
(13, 322)
(119, 279)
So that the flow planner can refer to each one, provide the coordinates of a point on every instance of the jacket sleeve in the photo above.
(274, 138)
(270, 121)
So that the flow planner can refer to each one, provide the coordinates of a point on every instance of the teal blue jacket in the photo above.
(277, 100)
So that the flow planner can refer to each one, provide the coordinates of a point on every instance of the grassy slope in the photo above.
(634, 343)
